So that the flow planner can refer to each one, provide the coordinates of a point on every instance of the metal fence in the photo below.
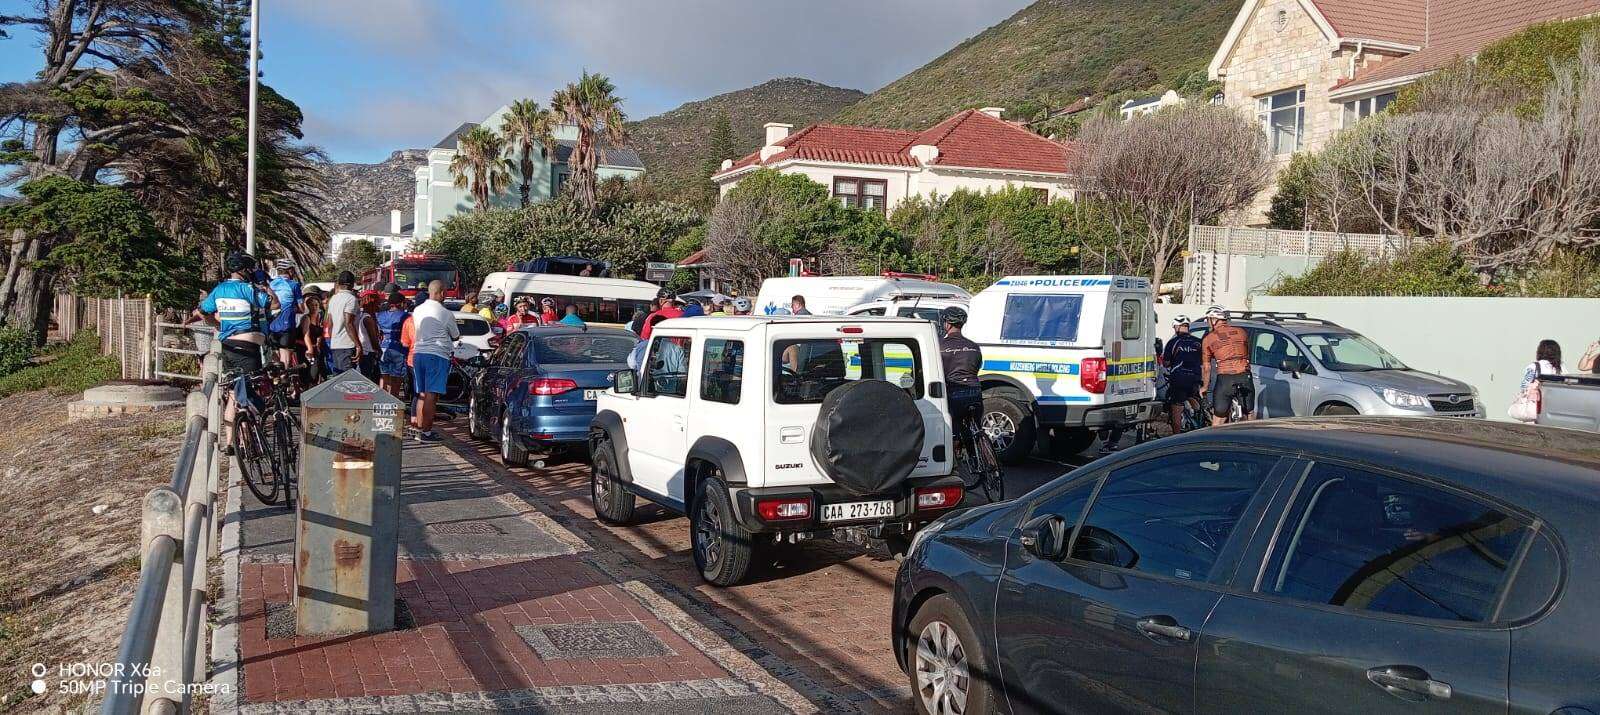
(164, 643)
(1274, 242)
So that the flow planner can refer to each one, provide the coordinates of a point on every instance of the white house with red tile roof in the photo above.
(1308, 68)
(877, 168)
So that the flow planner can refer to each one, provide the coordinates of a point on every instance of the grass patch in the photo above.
(75, 366)
(157, 430)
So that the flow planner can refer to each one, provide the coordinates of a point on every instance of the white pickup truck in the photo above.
(766, 429)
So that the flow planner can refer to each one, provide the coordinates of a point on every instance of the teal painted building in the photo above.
(438, 198)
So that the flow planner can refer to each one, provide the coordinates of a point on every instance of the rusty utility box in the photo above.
(346, 538)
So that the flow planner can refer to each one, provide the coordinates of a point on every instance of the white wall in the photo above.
(1486, 342)
(905, 183)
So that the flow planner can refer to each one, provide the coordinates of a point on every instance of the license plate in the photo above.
(591, 394)
(852, 511)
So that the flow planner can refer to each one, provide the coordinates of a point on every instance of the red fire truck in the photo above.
(412, 271)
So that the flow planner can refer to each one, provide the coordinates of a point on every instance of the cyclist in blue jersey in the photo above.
(239, 308)
(1181, 358)
(391, 351)
(283, 332)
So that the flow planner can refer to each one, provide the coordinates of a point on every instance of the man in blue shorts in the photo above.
(391, 351)
(436, 333)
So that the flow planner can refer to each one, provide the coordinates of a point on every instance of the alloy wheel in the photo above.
(1000, 428)
(709, 528)
(472, 417)
(505, 439)
(943, 681)
(602, 480)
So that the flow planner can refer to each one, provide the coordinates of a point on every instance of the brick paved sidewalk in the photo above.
(502, 609)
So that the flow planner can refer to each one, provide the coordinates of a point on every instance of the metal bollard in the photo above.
(346, 541)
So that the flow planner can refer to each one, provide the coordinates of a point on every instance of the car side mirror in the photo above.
(1045, 537)
(625, 382)
(477, 361)
(1294, 366)
(1099, 546)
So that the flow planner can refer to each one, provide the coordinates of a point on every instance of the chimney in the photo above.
(727, 164)
(394, 222)
(993, 111)
(777, 132)
(924, 153)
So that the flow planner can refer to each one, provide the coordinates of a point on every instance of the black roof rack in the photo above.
(1277, 316)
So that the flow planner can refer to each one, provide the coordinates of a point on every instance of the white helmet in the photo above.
(1181, 320)
(1216, 311)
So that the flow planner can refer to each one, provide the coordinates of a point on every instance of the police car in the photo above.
(1067, 355)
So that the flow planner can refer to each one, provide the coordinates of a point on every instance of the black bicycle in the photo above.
(266, 432)
(976, 463)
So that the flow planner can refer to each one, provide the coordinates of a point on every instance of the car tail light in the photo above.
(785, 509)
(550, 386)
(930, 498)
(850, 330)
(1092, 375)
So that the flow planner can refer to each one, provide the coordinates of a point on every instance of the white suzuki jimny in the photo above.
(767, 429)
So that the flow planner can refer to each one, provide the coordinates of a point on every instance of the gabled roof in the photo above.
(449, 141)
(969, 139)
(1431, 33)
(1400, 21)
(1461, 28)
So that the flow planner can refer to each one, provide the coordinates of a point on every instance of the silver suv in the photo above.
(1306, 366)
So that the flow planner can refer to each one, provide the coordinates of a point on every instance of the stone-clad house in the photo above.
(1308, 68)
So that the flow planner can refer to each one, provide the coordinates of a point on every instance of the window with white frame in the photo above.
(1356, 110)
(1283, 117)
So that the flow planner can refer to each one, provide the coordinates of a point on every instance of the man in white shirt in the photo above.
(344, 324)
(435, 331)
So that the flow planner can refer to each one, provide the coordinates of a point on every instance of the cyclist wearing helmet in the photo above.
(666, 308)
(1229, 346)
(547, 311)
(1182, 360)
(238, 309)
(281, 332)
(741, 306)
(962, 359)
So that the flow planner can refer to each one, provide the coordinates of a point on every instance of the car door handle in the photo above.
(1408, 682)
(1165, 627)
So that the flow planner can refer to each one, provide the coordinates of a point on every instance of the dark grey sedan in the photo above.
(1359, 564)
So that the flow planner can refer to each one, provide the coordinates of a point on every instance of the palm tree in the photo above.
(590, 103)
(527, 124)
(479, 164)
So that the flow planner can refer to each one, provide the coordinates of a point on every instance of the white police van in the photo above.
(1069, 355)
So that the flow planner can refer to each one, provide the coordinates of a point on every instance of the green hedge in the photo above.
(74, 367)
(16, 347)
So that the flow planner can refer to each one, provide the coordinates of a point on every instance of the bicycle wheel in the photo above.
(254, 461)
(994, 483)
(285, 434)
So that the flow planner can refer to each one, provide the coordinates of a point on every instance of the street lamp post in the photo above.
(250, 151)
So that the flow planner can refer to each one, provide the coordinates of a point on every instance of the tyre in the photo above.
(1009, 426)
(949, 671)
(255, 464)
(1336, 410)
(723, 549)
(1069, 442)
(512, 453)
(475, 427)
(285, 436)
(994, 478)
(612, 503)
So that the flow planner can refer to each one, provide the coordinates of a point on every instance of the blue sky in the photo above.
(377, 75)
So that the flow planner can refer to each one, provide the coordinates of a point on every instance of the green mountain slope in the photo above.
(1053, 51)
(675, 144)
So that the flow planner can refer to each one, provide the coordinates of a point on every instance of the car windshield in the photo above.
(470, 327)
(412, 277)
(1350, 352)
(582, 349)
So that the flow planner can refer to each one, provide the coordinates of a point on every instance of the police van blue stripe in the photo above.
(1035, 367)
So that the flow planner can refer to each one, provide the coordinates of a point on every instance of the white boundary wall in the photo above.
(1486, 342)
